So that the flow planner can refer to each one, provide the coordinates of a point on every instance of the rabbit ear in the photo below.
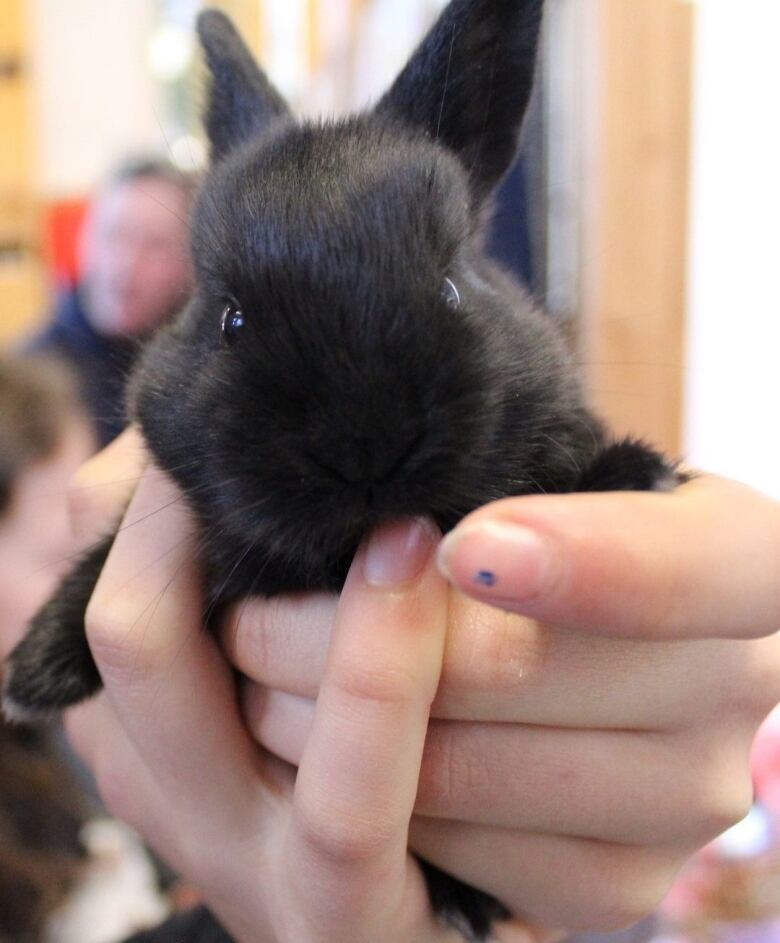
(469, 82)
(241, 100)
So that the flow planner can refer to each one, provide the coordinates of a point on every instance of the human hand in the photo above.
(320, 856)
(594, 882)
(570, 771)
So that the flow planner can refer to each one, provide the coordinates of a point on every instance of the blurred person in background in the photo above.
(58, 882)
(135, 273)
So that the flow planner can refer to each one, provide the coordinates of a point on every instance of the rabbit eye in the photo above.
(450, 294)
(231, 324)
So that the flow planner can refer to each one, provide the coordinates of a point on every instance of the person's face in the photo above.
(135, 257)
(36, 543)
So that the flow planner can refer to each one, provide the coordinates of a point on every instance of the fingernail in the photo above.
(498, 560)
(398, 551)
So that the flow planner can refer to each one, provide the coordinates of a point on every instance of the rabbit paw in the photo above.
(631, 465)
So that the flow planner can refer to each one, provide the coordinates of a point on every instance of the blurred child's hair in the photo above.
(37, 398)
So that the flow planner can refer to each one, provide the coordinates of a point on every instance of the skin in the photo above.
(581, 746)
(36, 541)
(136, 270)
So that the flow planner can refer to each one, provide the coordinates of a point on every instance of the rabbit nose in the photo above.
(357, 460)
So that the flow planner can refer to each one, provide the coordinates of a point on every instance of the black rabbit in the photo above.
(349, 355)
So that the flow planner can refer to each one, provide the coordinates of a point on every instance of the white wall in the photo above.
(94, 99)
(733, 364)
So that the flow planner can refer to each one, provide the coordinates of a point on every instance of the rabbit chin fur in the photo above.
(348, 354)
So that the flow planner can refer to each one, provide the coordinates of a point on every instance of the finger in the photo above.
(101, 489)
(281, 642)
(608, 886)
(358, 774)
(701, 562)
(499, 666)
(163, 674)
(512, 669)
(602, 785)
(598, 785)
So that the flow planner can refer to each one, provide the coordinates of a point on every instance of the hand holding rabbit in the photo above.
(655, 732)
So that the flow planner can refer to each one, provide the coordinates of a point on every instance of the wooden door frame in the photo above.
(634, 237)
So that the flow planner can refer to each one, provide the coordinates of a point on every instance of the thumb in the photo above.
(703, 561)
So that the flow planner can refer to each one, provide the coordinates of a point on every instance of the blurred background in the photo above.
(643, 214)
(646, 210)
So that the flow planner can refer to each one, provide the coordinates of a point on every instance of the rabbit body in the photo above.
(349, 355)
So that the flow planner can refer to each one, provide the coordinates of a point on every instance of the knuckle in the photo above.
(760, 687)
(102, 628)
(383, 684)
(118, 644)
(735, 679)
(713, 791)
(339, 837)
(727, 801)
(623, 888)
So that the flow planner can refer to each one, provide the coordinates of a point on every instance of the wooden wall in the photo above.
(634, 244)
(21, 284)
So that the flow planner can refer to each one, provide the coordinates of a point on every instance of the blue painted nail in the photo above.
(486, 578)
